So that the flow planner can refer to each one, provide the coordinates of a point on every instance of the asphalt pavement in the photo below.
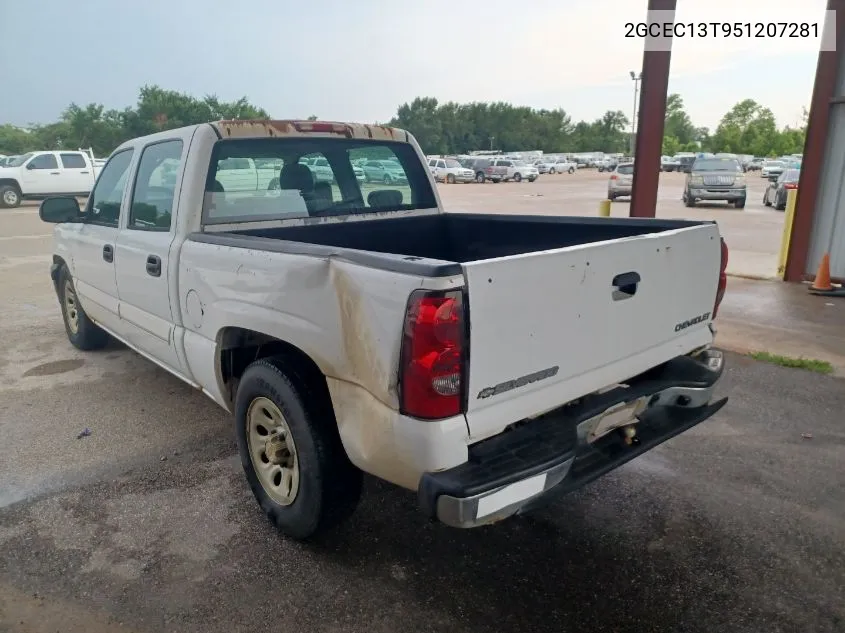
(146, 524)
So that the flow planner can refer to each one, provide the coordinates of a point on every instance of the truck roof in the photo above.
(262, 128)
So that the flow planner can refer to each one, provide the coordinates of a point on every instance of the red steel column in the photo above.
(651, 116)
(814, 148)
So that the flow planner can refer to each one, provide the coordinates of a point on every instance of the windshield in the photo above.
(312, 177)
(17, 161)
(774, 163)
(715, 164)
(451, 162)
(625, 170)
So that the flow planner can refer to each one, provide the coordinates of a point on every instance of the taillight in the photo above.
(433, 355)
(723, 278)
(614, 177)
(790, 185)
(308, 126)
(488, 170)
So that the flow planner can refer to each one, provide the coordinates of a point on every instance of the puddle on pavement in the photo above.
(55, 367)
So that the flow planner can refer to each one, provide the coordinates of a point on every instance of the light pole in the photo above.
(637, 78)
(492, 138)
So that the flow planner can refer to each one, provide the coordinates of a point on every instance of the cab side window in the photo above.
(104, 203)
(44, 161)
(155, 187)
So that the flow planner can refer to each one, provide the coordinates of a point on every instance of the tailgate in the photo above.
(549, 327)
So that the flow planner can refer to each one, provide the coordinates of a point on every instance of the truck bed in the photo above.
(462, 238)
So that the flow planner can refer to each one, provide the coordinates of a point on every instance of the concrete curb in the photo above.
(753, 277)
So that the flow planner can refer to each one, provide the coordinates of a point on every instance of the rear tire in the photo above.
(571, 170)
(328, 486)
(780, 203)
(479, 178)
(766, 201)
(517, 177)
(82, 332)
(552, 171)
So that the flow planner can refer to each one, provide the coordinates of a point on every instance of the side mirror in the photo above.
(58, 210)
(30, 164)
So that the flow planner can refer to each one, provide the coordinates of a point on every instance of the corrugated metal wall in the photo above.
(829, 224)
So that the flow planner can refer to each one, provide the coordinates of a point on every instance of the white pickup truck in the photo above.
(41, 174)
(486, 362)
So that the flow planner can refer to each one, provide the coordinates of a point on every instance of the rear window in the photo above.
(716, 164)
(287, 178)
(625, 170)
(792, 175)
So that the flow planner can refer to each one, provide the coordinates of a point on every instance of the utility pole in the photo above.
(636, 77)
(492, 138)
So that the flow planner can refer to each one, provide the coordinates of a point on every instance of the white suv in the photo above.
(517, 170)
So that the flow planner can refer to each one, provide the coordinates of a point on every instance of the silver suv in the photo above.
(621, 181)
(715, 179)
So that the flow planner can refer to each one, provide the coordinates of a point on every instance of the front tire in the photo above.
(517, 177)
(739, 204)
(552, 171)
(291, 452)
(10, 197)
(450, 178)
(82, 332)
(689, 200)
(479, 178)
(571, 170)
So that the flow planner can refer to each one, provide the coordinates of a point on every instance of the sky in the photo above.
(358, 60)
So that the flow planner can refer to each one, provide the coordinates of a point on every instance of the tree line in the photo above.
(440, 128)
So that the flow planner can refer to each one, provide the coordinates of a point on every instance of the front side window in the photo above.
(44, 161)
(104, 203)
(155, 187)
(317, 177)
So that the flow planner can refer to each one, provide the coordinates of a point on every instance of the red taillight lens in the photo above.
(723, 278)
(791, 185)
(432, 362)
(488, 170)
(614, 177)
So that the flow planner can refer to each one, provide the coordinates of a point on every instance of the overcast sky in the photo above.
(360, 59)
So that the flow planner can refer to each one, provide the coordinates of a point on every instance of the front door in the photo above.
(94, 249)
(142, 253)
(41, 175)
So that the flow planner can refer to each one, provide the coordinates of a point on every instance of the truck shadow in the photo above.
(587, 562)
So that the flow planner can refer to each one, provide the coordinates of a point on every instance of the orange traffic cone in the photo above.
(822, 280)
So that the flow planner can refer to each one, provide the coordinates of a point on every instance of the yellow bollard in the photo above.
(788, 218)
(604, 209)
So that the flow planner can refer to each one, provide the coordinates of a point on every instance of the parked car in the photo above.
(755, 164)
(685, 163)
(606, 164)
(779, 187)
(384, 171)
(484, 170)
(347, 346)
(772, 168)
(713, 179)
(621, 181)
(451, 171)
(41, 174)
(517, 170)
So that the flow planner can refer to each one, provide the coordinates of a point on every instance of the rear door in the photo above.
(77, 174)
(552, 326)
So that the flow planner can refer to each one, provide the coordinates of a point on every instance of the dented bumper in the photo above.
(555, 453)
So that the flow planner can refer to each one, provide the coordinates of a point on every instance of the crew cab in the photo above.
(41, 174)
(486, 362)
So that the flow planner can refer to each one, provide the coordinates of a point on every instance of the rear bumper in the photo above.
(550, 455)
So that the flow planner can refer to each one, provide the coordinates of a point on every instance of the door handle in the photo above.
(83, 172)
(108, 253)
(55, 173)
(625, 285)
(154, 265)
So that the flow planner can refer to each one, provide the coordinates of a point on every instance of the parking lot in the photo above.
(147, 524)
(753, 233)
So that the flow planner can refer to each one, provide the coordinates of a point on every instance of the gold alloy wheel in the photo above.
(71, 307)
(272, 451)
